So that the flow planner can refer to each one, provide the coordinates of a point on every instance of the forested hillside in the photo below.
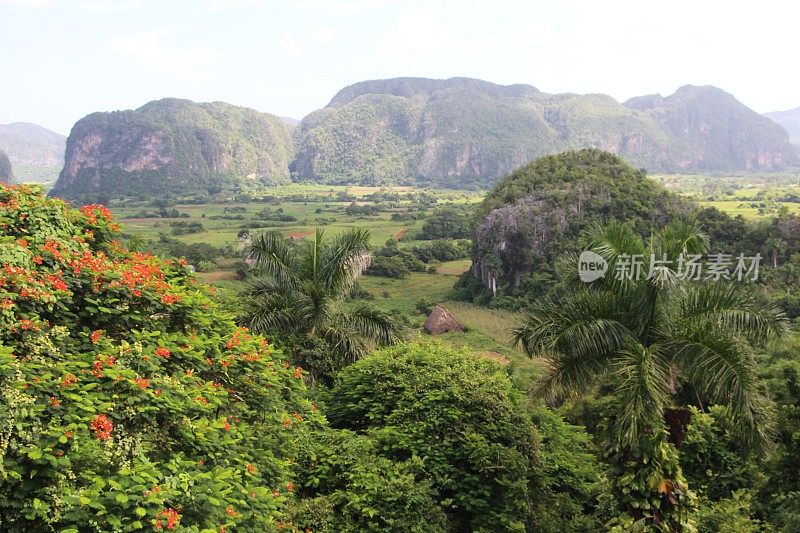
(175, 147)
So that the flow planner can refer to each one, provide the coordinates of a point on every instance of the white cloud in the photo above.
(339, 6)
(225, 5)
(29, 3)
(307, 40)
(418, 31)
(151, 50)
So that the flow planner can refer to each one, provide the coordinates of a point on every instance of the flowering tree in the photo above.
(127, 400)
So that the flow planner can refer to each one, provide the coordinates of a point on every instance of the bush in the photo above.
(348, 486)
(128, 401)
(447, 223)
(388, 267)
(729, 515)
(447, 250)
(458, 412)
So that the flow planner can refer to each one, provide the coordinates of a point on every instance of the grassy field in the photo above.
(753, 196)
(311, 206)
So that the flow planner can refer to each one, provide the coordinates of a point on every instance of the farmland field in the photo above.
(297, 210)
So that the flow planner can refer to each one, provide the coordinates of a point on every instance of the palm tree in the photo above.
(649, 338)
(300, 292)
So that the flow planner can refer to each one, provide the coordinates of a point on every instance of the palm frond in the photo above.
(642, 374)
(343, 261)
(612, 240)
(272, 254)
(272, 313)
(733, 307)
(681, 237)
(374, 324)
(345, 343)
(587, 324)
(722, 368)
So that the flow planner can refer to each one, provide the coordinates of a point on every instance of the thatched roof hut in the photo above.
(441, 321)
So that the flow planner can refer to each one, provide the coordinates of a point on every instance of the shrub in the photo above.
(388, 267)
(458, 412)
(128, 400)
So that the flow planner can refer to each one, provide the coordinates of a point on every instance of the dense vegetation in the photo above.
(683, 417)
(129, 401)
(174, 146)
(467, 133)
(539, 211)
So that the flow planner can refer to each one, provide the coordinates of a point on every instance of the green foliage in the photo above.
(648, 485)
(446, 223)
(571, 478)
(348, 486)
(388, 267)
(129, 401)
(539, 211)
(712, 457)
(443, 250)
(175, 146)
(298, 294)
(730, 515)
(460, 414)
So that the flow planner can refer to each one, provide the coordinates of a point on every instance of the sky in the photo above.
(63, 59)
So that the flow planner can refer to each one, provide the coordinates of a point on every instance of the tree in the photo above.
(458, 413)
(128, 401)
(655, 341)
(299, 295)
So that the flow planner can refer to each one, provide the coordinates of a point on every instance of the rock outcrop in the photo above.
(463, 132)
(6, 173)
(175, 146)
(441, 321)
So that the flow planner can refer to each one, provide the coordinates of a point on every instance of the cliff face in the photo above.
(175, 147)
(36, 153)
(789, 120)
(464, 132)
(6, 174)
(710, 130)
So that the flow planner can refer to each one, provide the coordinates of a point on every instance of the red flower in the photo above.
(7, 304)
(92, 211)
(142, 383)
(172, 518)
(68, 380)
(55, 402)
(290, 486)
(102, 427)
(250, 469)
(23, 242)
(162, 352)
(170, 299)
(95, 336)
(298, 372)
(231, 512)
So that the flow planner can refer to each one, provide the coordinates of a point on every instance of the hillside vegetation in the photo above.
(36, 152)
(175, 147)
(468, 133)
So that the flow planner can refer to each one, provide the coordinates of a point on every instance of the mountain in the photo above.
(36, 152)
(790, 120)
(537, 213)
(468, 133)
(6, 174)
(174, 146)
